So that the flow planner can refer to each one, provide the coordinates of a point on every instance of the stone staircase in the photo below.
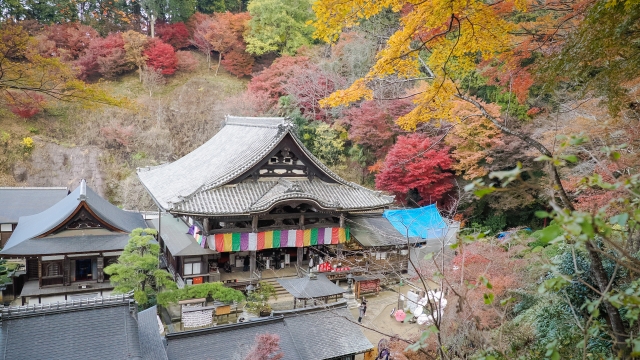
(280, 291)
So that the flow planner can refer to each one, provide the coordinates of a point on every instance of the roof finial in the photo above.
(83, 190)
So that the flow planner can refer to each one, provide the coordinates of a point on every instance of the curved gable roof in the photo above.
(238, 147)
(240, 144)
(33, 226)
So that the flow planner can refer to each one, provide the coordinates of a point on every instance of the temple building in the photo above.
(67, 246)
(16, 202)
(254, 193)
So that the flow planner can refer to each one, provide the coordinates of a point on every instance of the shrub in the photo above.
(161, 56)
(186, 61)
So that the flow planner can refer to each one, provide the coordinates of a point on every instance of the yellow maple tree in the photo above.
(456, 35)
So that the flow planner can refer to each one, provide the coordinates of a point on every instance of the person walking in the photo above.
(364, 301)
(363, 309)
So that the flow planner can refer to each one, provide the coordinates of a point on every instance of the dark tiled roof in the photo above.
(83, 241)
(17, 202)
(195, 182)
(307, 288)
(94, 330)
(174, 234)
(30, 227)
(252, 197)
(326, 334)
(151, 344)
(308, 334)
(375, 230)
(229, 342)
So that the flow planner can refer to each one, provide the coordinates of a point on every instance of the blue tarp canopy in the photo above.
(425, 222)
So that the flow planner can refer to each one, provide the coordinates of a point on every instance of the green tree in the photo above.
(328, 145)
(137, 268)
(258, 301)
(214, 290)
(211, 6)
(167, 10)
(278, 25)
(601, 57)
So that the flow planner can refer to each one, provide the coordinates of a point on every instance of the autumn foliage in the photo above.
(273, 80)
(473, 140)
(26, 104)
(161, 56)
(225, 35)
(104, 56)
(417, 163)
(372, 124)
(176, 34)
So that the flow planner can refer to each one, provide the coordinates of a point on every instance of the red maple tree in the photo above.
(162, 56)
(25, 104)
(271, 82)
(415, 163)
(308, 85)
(372, 124)
(104, 56)
(267, 347)
(176, 34)
(71, 39)
(225, 34)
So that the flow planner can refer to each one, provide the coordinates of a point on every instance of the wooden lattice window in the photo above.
(52, 269)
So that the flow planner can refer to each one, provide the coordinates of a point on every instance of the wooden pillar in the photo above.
(295, 302)
(100, 262)
(39, 271)
(205, 224)
(254, 223)
(299, 257)
(301, 223)
(252, 263)
(66, 271)
(342, 220)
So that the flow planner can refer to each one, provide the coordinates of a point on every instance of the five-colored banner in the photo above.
(277, 239)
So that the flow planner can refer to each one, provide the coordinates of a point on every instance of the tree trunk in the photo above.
(219, 60)
(140, 73)
(615, 320)
(152, 25)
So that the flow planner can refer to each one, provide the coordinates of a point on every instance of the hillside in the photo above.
(105, 144)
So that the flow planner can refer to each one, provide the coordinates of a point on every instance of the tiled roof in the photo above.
(174, 234)
(196, 182)
(307, 288)
(30, 227)
(151, 344)
(326, 333)
(306, 334)
(83, 241)
(229, 342)
(16, 202)
(251, 197)
(94, 329)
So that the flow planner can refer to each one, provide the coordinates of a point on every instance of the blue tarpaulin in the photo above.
(425, 222)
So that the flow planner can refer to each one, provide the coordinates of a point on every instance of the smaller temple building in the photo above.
(67, 246)
(16, 202)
